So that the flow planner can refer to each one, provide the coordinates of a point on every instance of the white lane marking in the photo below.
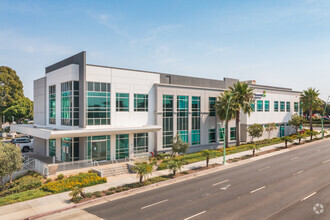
(319, 150)
(220, 182)
(144, 207)
(195, 215)
(294, 158)
(225, 187)
(301, 171)
(326, 161)
(258, 189)
(308, 196)
(264, 168)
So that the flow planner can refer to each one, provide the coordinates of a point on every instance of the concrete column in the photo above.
(113, 146)
(82, 148)
(131, 145)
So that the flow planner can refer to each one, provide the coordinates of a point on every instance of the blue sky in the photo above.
(281, 43)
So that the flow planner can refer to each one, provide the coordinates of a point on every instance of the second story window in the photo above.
(70, 103)
(296, 107)
(52, 104)
(266, 106)
(282, 106)
(140, 102)
(276, 106)
(122, 102)
(253, 105)
(260, 105)
(211, 106)
(98, 103)
(288, 109)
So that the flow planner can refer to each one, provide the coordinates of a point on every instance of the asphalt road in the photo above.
(285, 186)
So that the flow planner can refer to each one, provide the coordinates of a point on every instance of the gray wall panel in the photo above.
(39, 104)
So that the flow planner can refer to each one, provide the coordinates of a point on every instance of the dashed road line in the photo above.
(326, 161)
(308, 196)
(294, 158)
(144, 207)
(258, 189)
(195, 215)
(220, 182)
(301, 171)
(264, 168)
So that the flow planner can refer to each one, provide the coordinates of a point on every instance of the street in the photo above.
(273, 188)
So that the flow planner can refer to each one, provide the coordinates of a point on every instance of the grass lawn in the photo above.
(23, 196)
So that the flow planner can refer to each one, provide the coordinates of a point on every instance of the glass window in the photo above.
(296, 107)
(196, 118)
(266, 106)
(211, 135)
(260, 105)
(140, 103)
(253, 105)
(288, 109)
(276, 106)
(122, 146)
(140, 143)
(282, 106)
(221, 134)
(69, 149)
(195, 137)
(52, 104)
(122, 102)
(52, 148)
(97, 104)
(212, 101)
(167, 121)
(233, 133)
(300, 109)
(182, 117)
(98, 148)
(70, 103)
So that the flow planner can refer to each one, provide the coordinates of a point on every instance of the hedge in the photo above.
(80, 180)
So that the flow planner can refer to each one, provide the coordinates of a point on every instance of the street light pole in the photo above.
(322, 118)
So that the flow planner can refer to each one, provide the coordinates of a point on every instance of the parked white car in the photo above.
(26, 144)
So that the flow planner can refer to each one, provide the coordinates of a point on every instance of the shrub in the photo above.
(88, 195)
(22, 184)
(60, 177)
(90, 171)
(80, 180)
(162, 166)
(98, 194)
(185, 172)
(23, 196)
(48, 180)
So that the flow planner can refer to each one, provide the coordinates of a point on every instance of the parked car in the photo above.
(26, 144)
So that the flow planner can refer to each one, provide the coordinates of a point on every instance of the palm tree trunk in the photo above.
(310, 119)
(141, 178)
(226, 131)
(253, 151)
(237, 129)
(207, 162)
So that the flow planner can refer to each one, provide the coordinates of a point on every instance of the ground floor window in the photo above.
(122, 146)
(233, 133)
(211, 135)
(69, 149)
(140, 143)
(52, 148)
(221, 134)
(282, 131)
(98, 148)
(195, 137)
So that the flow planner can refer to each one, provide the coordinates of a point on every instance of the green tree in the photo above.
(207, 154)
(178, 146)
(254, 148)
(310, 101)
(270, 127)
(11, 94)
(287, 139)
(242, 99)
(10, 161)
(299, 137)
(143, 170)
(312, 134)
(221, 106)
(255, 131)
(296, 121)
(174, 165)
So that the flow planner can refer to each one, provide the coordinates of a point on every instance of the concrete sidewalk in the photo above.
(53, 202)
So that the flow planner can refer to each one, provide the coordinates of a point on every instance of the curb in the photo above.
(175, 180)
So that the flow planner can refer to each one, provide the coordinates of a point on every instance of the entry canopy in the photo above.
(52, 133)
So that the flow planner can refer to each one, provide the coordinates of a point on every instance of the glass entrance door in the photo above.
(99, 150)
(282, 131)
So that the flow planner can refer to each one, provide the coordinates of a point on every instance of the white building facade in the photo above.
(84, 111)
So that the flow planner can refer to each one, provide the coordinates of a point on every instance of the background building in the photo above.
(84, 111)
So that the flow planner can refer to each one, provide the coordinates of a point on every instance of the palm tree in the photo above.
(310, 101)
(254, 148)
(287, 139)
(242, 97)
(299, 137)
(207, 154)
(221, 106)
(143, 170)
(174, 165)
